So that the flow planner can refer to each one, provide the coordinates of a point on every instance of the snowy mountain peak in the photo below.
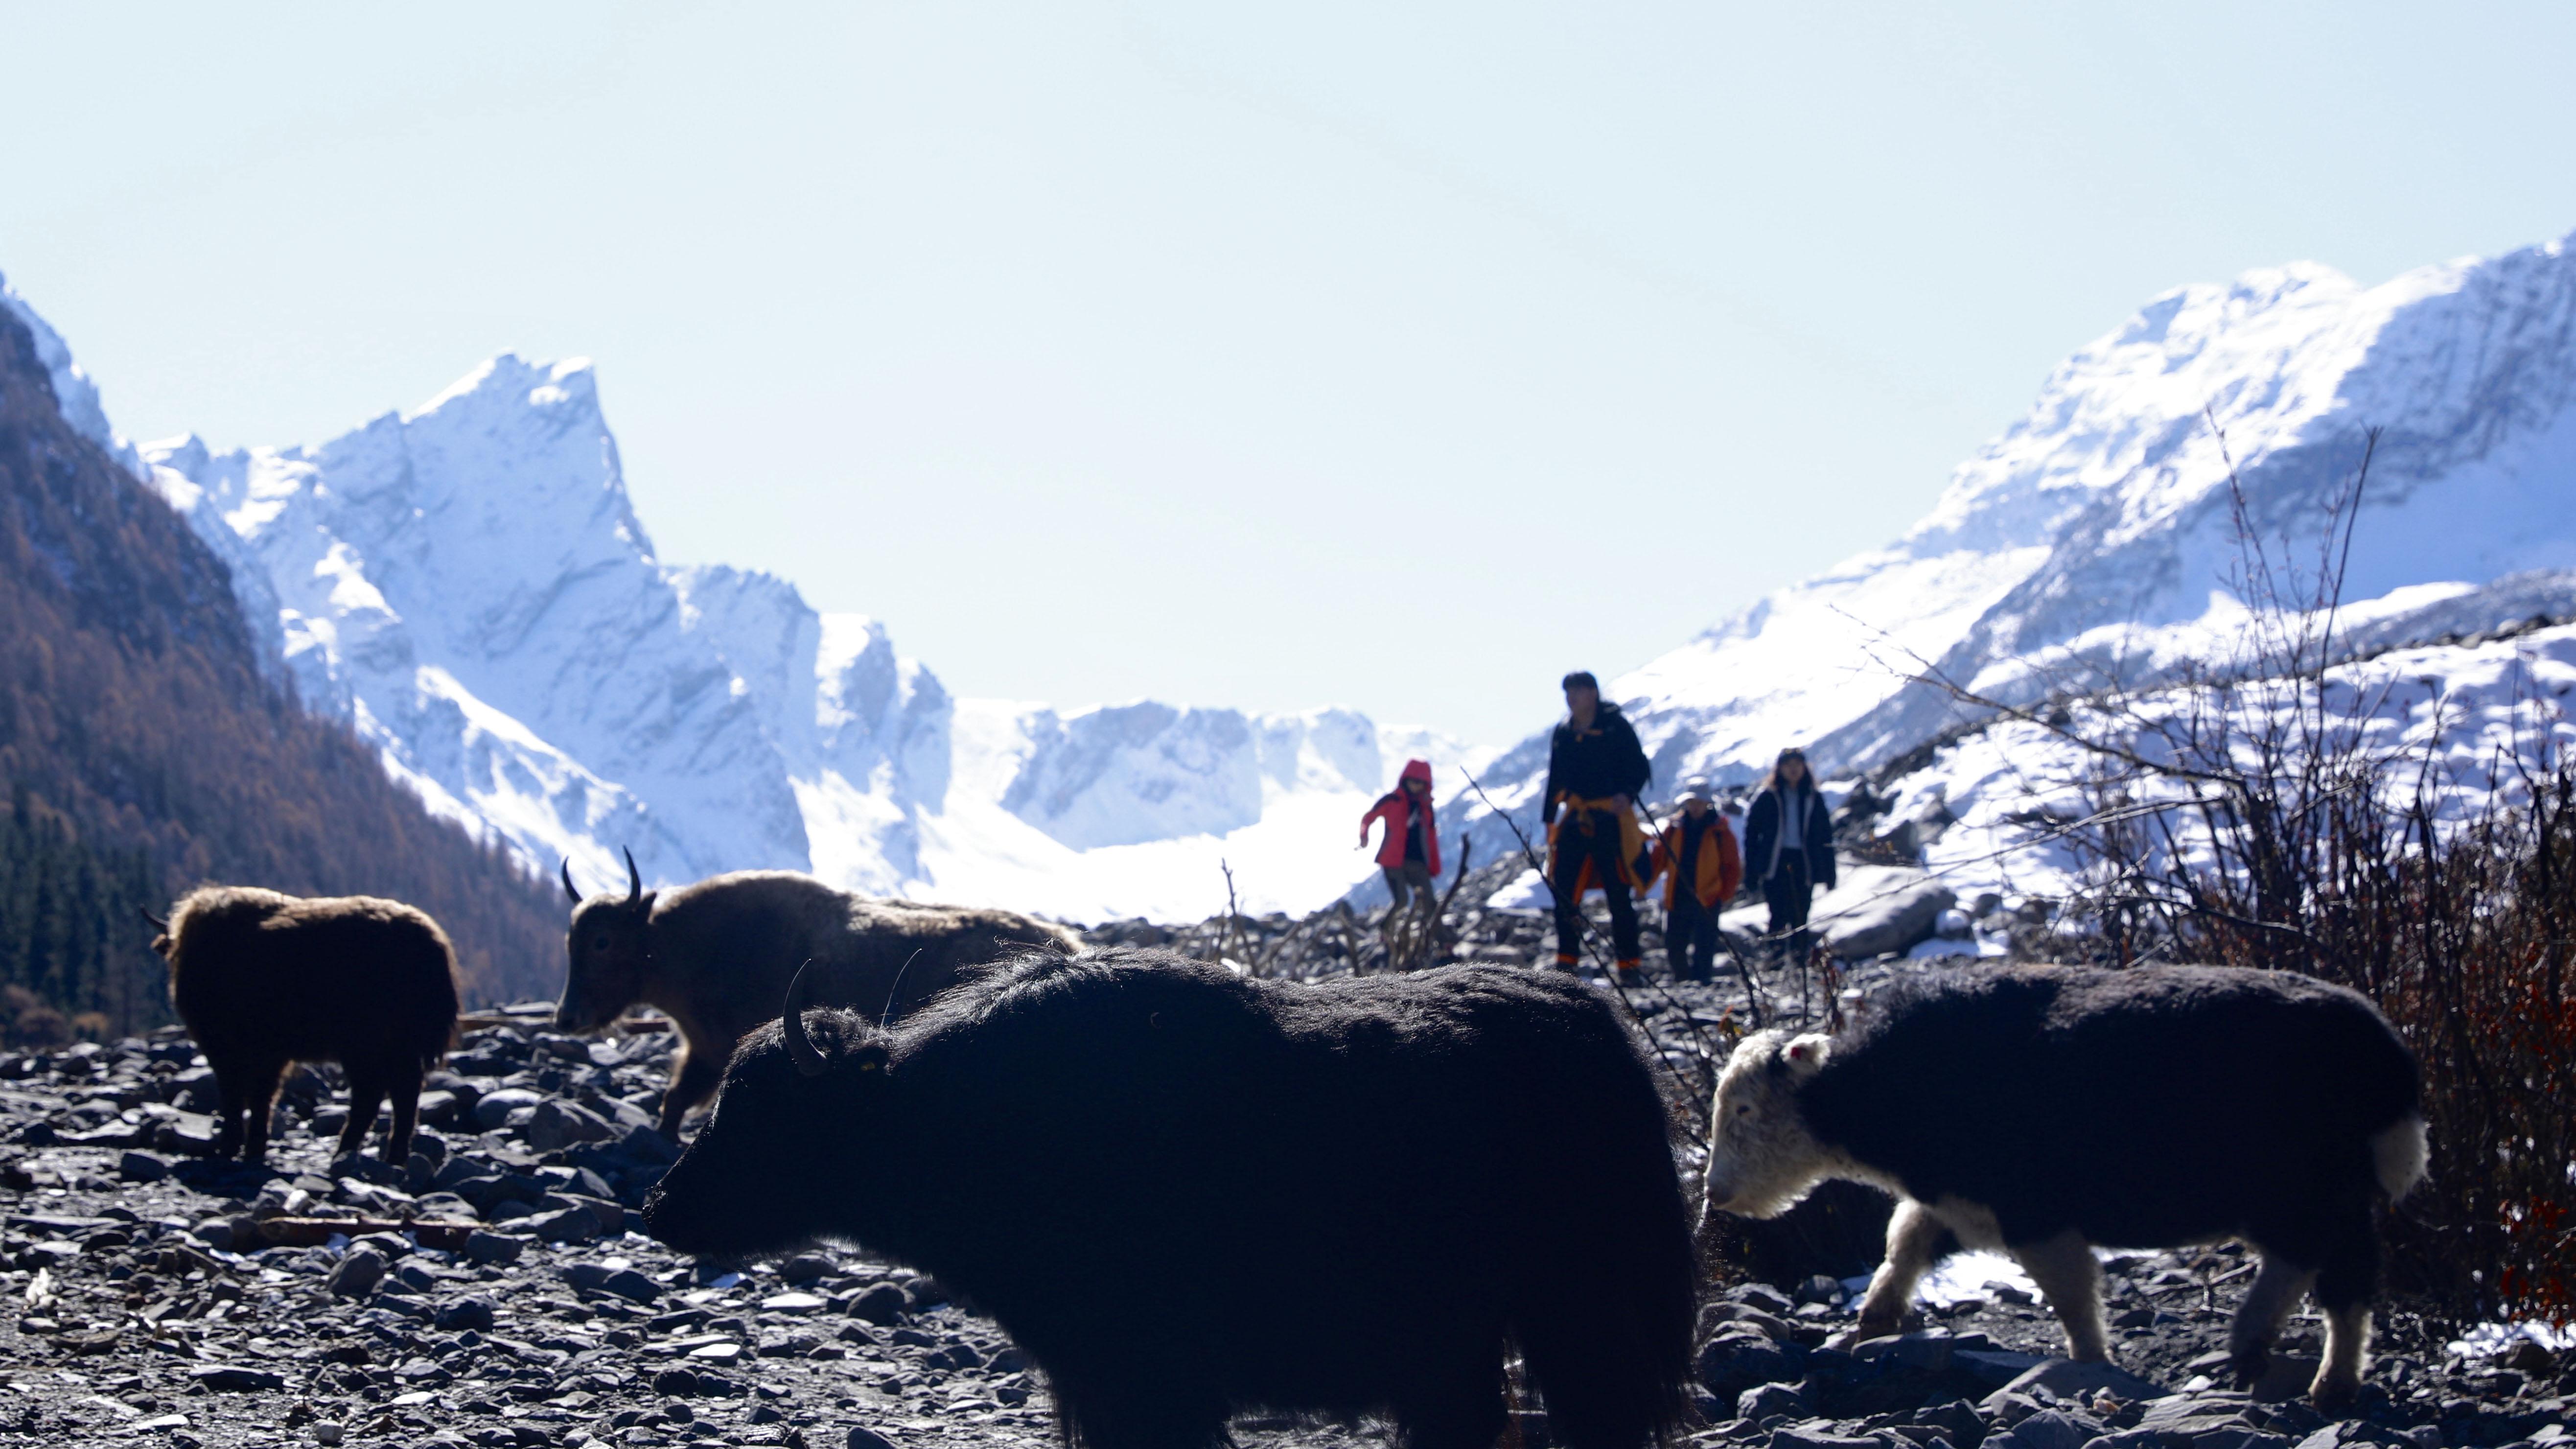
(74, 393)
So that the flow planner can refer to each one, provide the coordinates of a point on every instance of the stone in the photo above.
(142, 1167)
(1801, 1436)
(1758, 1404)
(676, 1383)
(881, 1304)
(356, 1274)
(1925, 1352)
(494, 1108)
(628, 1284)
(2047, 1429)
(790, 1303)
(861, 1437)
(2068, 1379)
(557, 1124)
(1743, 1357)
(574, 1224)
(463, 1314)
(234, 1379)
(1994, 1367)
(1901, 916)
(483, 1246)
(805, 1269)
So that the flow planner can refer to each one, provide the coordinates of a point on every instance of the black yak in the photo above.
(2043, 1110)
(716, 958)
(1187, 1195)
(264, 979)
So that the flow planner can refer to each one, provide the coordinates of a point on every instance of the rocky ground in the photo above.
(157, 1296)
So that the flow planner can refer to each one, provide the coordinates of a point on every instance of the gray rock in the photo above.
(142, 1167)
(557, 1124)
(1743, 1357)
(1802, 1436)
(805, 1268)
(2068, 1379)
(234, 1379)
(2047, 1429)
(865, 1438)
(464, 1314)
(628, 1284)
(1762, 1296)
(1995, 1367)
(1760, 1404)
(494, 1109)
(357, 1273)
(489, 1247)
(881, 1304)
(564, 1225)
(1927, 1352)
(1899, 920)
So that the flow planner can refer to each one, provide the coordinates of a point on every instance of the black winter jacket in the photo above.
(1602, 761)
(1762, 827)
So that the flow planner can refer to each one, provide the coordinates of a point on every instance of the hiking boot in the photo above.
(1631, 973)
(1565, 961)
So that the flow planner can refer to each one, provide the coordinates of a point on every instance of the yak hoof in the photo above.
(1867, 1329)
(2334, 1395)
(2247, 1366)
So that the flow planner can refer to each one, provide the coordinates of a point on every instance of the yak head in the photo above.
(1761, 1157)
(777, 1163)
(161, 941)
(605, 952)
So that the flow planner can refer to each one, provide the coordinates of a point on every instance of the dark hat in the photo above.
(1581, 677)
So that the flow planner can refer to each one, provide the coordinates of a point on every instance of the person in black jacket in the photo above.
(1789, 847)
(1595, 767)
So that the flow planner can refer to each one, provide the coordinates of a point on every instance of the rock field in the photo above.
(158, 1297)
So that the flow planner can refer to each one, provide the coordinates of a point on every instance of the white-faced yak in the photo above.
(2043, 1110)
(1187, 1195)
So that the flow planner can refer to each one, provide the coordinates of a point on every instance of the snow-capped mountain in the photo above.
(468, 583)
(2096, 532)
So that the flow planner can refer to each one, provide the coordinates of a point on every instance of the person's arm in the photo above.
(1547, 797)
(1820, 847)
(1636, 769)
(1730, 861)
(1376, 812)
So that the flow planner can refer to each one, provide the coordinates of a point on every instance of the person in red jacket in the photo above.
(1410, 854)
(1702, 870)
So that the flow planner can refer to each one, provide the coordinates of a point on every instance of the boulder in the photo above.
(1897, 917)
(557, 1124)
(1743, 1357)
(494, 1109)
(356, 1274)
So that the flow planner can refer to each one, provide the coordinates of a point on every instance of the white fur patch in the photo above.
(2401, 1154)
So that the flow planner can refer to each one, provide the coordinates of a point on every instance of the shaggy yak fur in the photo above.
(716, 958)
(2042, 1110)
(264, 979)
(1186, 1195)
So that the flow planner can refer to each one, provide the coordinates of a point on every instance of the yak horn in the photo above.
(634, 879)
(800, 1047)
(570, 889)
(155, 922)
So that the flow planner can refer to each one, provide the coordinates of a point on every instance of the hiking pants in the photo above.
(1600, 847)
(1402, 880)
(1690, 937)
(1789, 892)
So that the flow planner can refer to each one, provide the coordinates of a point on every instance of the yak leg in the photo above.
(694, 1082)
(2346, 1282)
(2065, 1270)
(2275, 1292)
(1912, 1233)
(406, 1096)
(366, 1097)
(257, 1101)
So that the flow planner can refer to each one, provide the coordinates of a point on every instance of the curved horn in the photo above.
(634, 879)
(570, 889)
(155, 922)
(800, 1047)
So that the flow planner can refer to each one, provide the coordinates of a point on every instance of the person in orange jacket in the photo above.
(1702, 870)
(1410, 854)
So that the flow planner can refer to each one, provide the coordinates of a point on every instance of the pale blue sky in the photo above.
(1400, 357)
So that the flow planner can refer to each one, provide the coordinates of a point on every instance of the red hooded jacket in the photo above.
(1396, 808)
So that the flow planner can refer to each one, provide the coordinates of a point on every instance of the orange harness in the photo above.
(1632, 841)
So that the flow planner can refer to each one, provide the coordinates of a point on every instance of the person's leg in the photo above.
(1797, 900)
(1568, 869)
(1680, 931)
(1704, 944)
(1607, 843)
